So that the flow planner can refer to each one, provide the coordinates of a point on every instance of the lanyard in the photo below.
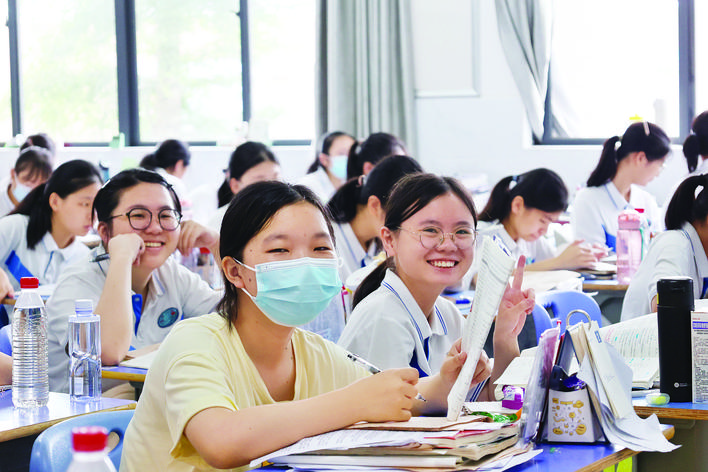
(137, 309)
(16, 268)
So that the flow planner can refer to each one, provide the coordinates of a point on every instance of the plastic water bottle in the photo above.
(629, 245)
(30, 378)
(89, 446)
(85, 350)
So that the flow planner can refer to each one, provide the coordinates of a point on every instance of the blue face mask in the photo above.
(20, 191)
(339, 166)
(294, 292)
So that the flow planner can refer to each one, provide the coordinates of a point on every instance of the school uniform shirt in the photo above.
(46, 260)
(389, 329)
(701, 168)
(318, 181)
(6, 205)
(595, 212)
(203, 364)
(350, 251)
(671, 253)
(174, 293)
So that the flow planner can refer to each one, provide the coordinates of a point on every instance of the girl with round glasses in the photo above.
(222, 384)
(399, 318)
(139, 291)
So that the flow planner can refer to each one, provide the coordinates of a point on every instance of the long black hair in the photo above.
(696, 144)
(167, 155)
(326, 143)
(68, 178)
(36, 160)
(256, 204)
(379, 182)
(410, 195)
(639, 137)
(244, 157)
(540, 188)
(372, 149)
(108, 198)
(686, 206)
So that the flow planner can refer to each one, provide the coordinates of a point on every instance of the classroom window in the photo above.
(701, 55)
(68, 69)
(611, 62)
(5, 100)
(189, 70)
(283, 67)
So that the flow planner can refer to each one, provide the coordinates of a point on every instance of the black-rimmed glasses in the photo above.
(140, 218)
(432, 237)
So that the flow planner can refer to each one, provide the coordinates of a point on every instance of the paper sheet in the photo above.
(142, 362)
(494, 270)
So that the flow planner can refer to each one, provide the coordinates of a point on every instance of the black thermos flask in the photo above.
(675, 303)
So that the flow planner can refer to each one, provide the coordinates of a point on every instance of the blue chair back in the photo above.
(541, 319)
(5, 343)
(562, 302)
(51, 451)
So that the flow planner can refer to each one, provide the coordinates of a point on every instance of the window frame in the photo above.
(127, 70)
(687, 85)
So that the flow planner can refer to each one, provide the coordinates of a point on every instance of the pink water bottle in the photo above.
(629, 245)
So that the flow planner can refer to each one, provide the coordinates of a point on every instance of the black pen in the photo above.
(373, 369)
(101, 257)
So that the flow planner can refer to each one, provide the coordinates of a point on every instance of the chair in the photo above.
(562, 302)
(51, 451)
(541, 319)
(5, 343)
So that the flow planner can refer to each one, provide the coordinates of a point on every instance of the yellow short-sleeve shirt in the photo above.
(202, 364)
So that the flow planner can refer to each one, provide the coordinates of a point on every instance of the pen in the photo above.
(101, 257)
(373, 369)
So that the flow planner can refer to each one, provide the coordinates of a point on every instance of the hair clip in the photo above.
(361, 181)
(514, 181)
(645, 123)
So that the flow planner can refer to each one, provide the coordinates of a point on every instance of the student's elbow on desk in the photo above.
(113, 352)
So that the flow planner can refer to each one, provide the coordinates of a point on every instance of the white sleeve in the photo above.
(586, 219)
(12, 232)
(674, 258)
(197, 297)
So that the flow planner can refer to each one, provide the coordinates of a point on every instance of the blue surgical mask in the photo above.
(294, 292)
(20, 191)
(339, 166)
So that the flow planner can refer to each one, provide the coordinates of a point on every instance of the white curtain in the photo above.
(525, 31)
(365, 68)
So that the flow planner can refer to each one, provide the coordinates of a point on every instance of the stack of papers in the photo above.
(420, 442)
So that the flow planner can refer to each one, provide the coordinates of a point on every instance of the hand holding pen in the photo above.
(374, 370)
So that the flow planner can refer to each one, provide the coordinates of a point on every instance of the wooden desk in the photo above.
(131, 374)
(683, 411)
(601, 285)
(20, 422)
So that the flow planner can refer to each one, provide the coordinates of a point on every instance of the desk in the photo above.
(134, 375)
(19, 427)
(684, 411)
(610, 296)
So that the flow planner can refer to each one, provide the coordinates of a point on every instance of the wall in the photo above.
(469, 116)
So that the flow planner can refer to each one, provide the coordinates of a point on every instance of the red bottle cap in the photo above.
(204, 250)
(89, 438)
(29, 282)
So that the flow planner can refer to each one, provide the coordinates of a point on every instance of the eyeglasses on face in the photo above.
(140, 218)
(432, 237)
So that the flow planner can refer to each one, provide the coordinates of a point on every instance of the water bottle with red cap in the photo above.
(30, 377)
(89, 446)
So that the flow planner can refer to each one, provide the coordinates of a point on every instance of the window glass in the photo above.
(612, 61)
(700, 20)
(5, 104)
(68, 69)
(283, 67)
(189, 70)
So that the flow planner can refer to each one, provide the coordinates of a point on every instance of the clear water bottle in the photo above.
(30, 378)
(629, 245)
(89, 446)
(85, 352)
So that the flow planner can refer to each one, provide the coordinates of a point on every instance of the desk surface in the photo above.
(132, 374)
(21, 422)
(603, 285)
(673, 410)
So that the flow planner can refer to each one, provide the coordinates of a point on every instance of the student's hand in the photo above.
(195, 235)
(515, 305)
(577, 255)
(387, 396)
(451, 367)
(6, 289)
(126, 247)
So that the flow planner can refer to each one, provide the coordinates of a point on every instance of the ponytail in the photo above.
(40, 215)
(372, 281)
(314, 166)
(343, 204)
(540, 188)
(149, 162)
(691, 150)
(696, 143)
(224, 194)
(685, 206)
(607, 166)
(353, 167)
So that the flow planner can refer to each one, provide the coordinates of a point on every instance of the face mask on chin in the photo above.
(293, 292)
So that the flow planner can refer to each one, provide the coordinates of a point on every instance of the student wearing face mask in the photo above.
(139, 291)
(329, 170)
(230, 386)
(32, 168)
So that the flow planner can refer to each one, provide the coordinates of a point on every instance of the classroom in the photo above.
(480, 95)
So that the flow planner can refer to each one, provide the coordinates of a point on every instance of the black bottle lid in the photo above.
(675, 292)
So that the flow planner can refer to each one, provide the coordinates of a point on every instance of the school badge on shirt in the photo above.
(168, 317)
